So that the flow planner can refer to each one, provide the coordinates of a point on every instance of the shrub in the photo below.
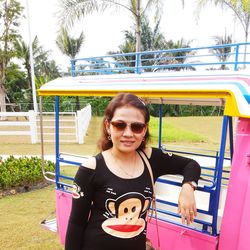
(22, 171)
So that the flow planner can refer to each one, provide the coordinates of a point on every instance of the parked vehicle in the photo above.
(164, 77)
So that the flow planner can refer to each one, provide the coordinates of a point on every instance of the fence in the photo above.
(76, 127)
(83, 120)
(68, 126)
(29, 125)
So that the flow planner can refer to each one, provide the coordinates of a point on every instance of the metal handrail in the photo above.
(151, 61)
(45, 173)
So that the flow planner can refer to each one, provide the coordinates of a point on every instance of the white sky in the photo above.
(103, 32)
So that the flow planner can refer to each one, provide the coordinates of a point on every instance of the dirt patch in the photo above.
(23, 189)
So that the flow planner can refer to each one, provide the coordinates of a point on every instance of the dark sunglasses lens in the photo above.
(137, 127)
(119, 125)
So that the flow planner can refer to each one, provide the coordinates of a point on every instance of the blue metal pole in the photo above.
(137, 63)
(57, 139)
(160, 126)
(236, 58)
(231, 139)
(216, 166)
(72, 70)
(219, 174)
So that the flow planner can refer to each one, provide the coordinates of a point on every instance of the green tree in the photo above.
(16, 85)
(47, 69)
(71, 47)
(222, 53)
(240, 8)
(44, 69)
(68, 45)
(23, 53)
(177, 56)
(151, 39)
(10, 15)
(72, 10)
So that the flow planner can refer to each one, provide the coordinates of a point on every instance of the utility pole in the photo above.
(33, 85)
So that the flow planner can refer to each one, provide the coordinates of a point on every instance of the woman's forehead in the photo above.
(128, 113)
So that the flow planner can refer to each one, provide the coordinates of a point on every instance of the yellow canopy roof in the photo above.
(229, 88)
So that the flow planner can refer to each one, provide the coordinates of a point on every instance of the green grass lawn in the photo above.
(20, 217)
(21, 214)
(171, 133)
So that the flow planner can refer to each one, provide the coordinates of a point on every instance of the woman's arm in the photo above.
(167, 163)
(187, 204)
(81, 203)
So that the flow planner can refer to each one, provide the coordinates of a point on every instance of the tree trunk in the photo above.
(2, 101)
(138, 26)
(245, 49)
(77, 103)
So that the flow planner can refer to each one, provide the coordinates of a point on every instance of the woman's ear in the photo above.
(146, 129)
(107, 126)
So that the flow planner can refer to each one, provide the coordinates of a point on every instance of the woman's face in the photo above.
(127, 139)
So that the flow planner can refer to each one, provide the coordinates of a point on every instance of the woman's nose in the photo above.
(128, 131)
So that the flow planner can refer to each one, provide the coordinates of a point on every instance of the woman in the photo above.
(113, 190)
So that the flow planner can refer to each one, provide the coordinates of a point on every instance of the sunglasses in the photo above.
(136, 127)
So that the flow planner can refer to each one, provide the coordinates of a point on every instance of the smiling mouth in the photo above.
(125, 228)
(127, 142)
(76, 195)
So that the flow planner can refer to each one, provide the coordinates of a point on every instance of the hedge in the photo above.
(22, 171)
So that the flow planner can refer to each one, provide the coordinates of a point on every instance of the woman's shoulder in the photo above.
(152, 151)
(89, 163)
(148, 151)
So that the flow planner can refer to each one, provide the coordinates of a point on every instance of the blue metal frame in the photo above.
(57, 141)
(215, 188)
(236, 58)
(73, 68)
(216, 198)
(151, 61)
(137, 63)
(231, 136)
(160, 126)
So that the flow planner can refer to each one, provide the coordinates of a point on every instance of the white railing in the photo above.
(68, 126)
(83, 120)
(30, 123)
(77, 126)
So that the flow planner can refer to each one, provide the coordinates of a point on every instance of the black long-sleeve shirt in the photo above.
(108, 212)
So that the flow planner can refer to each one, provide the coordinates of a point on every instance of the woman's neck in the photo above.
(122, 155)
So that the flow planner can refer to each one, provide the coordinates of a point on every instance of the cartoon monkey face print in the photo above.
(76, 192)
(126, 212)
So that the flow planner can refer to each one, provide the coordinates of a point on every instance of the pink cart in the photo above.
(223, 194)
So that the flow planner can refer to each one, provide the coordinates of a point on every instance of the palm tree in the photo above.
(10, 16)
(40, 56)
(72, 10)
(177, 56)
(71, 47)
(222, 53)
(240, 8)
(151, 39)
(44, 68)
(68, 45)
